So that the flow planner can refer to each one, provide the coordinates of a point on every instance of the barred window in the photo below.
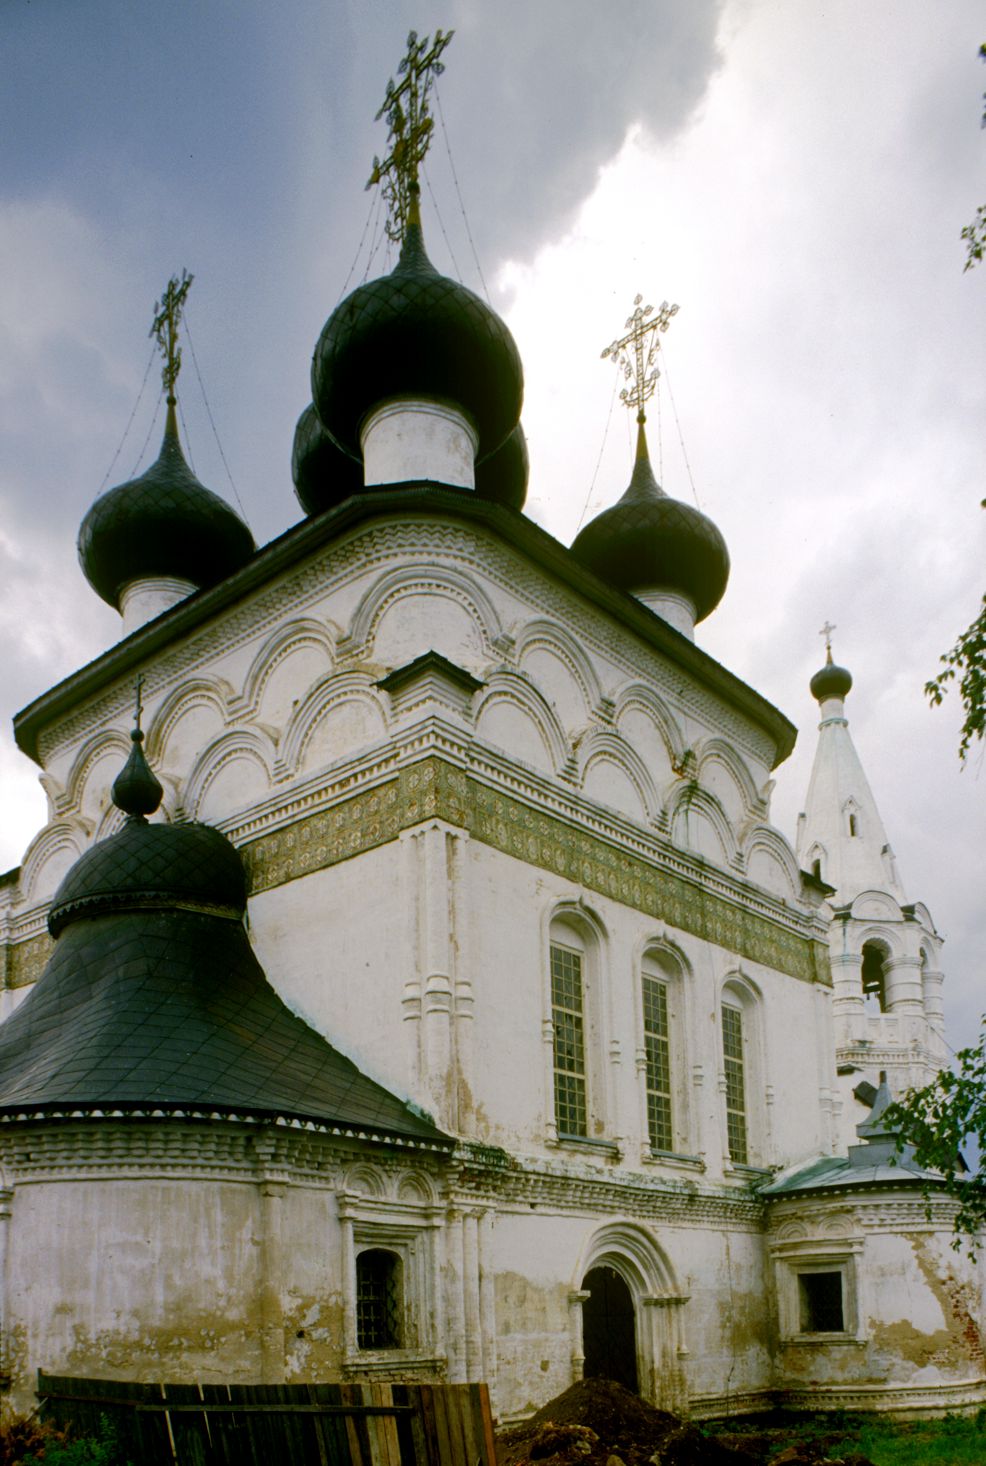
(735, 1064)
(657, 1048)
(567, 1017)
(379, 1302)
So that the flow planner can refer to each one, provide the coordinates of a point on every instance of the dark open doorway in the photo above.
(609, 1334)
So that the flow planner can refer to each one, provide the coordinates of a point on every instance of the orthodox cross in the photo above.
(405, 105)
(167, 315)
(636, 352)
(826, 631)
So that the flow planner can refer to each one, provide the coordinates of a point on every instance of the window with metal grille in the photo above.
(568, 1026)
(378, 1299)
(820, 1297)
(657, 1047)
(734, 1064)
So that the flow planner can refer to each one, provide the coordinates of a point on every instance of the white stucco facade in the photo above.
(444, 755)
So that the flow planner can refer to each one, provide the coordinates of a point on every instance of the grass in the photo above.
(955, 1440)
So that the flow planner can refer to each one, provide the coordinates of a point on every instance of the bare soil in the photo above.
(598, 1423)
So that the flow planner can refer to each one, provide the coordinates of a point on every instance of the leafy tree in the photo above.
(967, 658)
(967, 662)
(937, 1121)
(974, 234)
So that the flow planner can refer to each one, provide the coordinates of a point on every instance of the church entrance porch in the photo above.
(609, 1332)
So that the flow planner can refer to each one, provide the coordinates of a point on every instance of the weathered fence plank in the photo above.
(349, 1424)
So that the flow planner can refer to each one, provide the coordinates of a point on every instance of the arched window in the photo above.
(740, 1064)
(874, 975)
(661, 1058)
(379, 1299)
(734, 1064)
(573, 963)
(568, 1019)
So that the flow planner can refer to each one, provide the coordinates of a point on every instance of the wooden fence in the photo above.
(279, 1425)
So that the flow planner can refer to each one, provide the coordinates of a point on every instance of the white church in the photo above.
(421, 990)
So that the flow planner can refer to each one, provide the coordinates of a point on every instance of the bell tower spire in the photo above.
(885, 953)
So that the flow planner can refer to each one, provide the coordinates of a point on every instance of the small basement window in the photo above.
(820, 1298)
(379, 1302)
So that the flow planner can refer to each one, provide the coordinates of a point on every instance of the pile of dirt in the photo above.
(596, 1422)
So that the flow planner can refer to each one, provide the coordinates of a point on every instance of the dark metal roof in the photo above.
(831, 681)
(416, 333)
(503, 476)
(168, 1010)
(163, 523)
(648, 541)
(153, 999)
(881, 1160)
(400, 501)
(323, 475)
(153, 866)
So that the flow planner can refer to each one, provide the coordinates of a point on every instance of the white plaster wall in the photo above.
(335, 946)
(914, 1305)
(724, 1327)
(133, 1279)
(345, 946)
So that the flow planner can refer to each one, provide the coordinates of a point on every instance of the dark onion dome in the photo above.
(163, 523)
(136, 788)
(502, 477)
(416, 334)
(650, 542)
(323, 475)
(153, 867)
(831, 681)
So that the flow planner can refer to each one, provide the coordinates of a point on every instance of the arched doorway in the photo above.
(609, 1328)
(626, 1314)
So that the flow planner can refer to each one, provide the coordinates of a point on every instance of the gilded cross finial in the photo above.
(167, 316)
(636, 352)
(826, 631)
(405, 105)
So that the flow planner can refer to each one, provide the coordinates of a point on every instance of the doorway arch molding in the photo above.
(633, 1252)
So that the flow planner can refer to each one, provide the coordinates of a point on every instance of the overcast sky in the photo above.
(794, 176)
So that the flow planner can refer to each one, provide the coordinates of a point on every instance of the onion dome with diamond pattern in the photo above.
(503, 476)
(650, 542)
(416, 334)
(323, 475)
(151, 867)
(164, 523)
(831, 681)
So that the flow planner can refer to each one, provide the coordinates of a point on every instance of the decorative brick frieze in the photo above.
(435, 789)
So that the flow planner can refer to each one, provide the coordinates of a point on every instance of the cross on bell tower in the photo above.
(636, 352)
(826, 631)
(405, 105)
